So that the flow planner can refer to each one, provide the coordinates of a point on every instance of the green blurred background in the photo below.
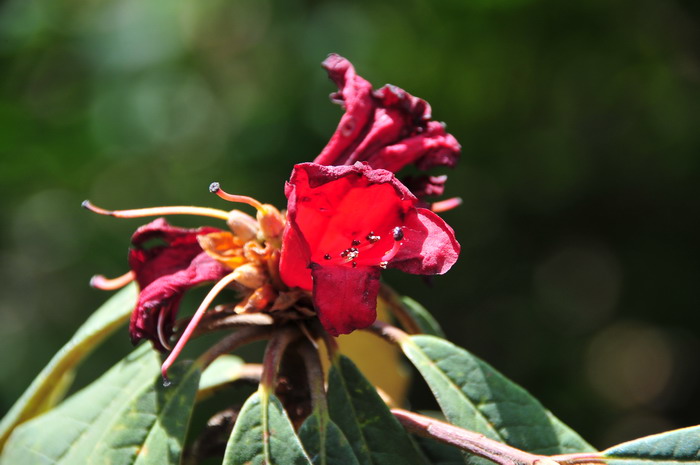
(580, 267)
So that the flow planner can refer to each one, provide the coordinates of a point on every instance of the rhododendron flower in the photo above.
(346, 223)
(387, 128)
(164, 272)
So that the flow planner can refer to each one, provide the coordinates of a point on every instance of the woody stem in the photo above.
(480, 445)
(314, 372)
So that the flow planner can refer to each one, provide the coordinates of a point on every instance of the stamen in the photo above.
(445, 205)
(215, 188)
(105, 284)
(157, 211)
(192, 325)
(355, 242)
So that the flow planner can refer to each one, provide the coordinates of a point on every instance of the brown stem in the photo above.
(398, 309)
(230, 343)
(314, 372)
(480, 445)
(234, 321)
(273, 355)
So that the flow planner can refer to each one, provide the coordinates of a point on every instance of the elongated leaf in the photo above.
(476, 397)
(125, 417)
(263, 434)
(374, 434)
(425, 320)
(57, 374)
(681, 446)
(325, 442)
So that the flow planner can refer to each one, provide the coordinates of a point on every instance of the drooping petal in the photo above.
(164, 272)
(429, 245)
(345, 298)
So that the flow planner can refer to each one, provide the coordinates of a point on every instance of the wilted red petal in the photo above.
(164, 272)
(345, 297)
(389, 128)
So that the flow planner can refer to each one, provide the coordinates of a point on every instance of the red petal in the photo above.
(345, 298)
(164, 272)
(429, 245)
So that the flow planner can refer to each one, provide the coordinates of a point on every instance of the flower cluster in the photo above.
(347, 218)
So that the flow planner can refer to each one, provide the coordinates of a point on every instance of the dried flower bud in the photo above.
(271, 222)
(243, 225)
(250, 276)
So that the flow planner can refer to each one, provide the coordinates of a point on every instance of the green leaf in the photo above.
(374, 434)
(127, 416)
(672, 447)
(474, 396)
(422, 317)
(325, 442)
(222, 371)
(263, 434)
(55, 378)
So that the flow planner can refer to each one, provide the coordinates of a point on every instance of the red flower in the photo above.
(345, 223)
(164, 272)
(387, 128)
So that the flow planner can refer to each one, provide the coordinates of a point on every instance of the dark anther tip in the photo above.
(86, 204)
(214, 187)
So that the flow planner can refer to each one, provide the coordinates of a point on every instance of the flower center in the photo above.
(367, 251)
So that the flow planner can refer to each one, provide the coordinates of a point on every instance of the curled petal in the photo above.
(387, 128)
(430, 245)
(164, 272)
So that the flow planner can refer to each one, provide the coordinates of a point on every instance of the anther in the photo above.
(354, 264)
(398, 233)
(327, 256)
(355, 242)
(214, 187)
(372, 238)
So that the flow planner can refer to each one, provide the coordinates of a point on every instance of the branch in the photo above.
(480, 445)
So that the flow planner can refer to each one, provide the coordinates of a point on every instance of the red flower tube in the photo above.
(346, 223)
